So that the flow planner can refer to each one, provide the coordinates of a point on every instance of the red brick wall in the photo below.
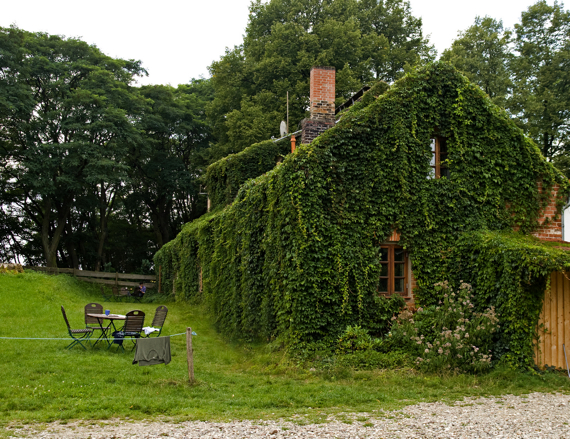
(551, 219)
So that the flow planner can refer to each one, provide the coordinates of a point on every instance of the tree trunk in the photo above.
(156, 229)
(50, 245)
(71, 247)
(105, 209)
(160, 216)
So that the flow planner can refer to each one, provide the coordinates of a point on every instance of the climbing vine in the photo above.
(296, 253)
(226, 176)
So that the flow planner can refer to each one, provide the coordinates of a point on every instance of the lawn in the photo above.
(42, 381)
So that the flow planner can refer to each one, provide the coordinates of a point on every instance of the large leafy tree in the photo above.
(527, 72)
(482, 52)
(164, 171)
(541, 71)
(65, 125)
(365, 40)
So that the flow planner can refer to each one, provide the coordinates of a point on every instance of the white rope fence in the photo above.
(49, 338)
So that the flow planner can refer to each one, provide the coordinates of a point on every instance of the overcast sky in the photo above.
(177, 40)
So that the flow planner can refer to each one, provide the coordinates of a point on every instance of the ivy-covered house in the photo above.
(417, 183)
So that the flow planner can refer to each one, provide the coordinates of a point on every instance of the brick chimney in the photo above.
(322, 104)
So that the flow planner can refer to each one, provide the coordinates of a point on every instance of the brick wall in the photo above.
(322, 94)
(551, 219)
(322, 103)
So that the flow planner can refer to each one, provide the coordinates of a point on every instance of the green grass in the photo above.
(41, 381)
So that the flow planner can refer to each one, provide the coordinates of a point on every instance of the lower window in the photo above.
(393, 278)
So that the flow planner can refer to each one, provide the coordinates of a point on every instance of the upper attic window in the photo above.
(438, 157)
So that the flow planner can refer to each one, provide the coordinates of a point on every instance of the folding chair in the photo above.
(158, 320)
(133, 327)
(124, 292)
(106, 296)
(137, 295)
(85, 333)
(116, 294)
(93, 322)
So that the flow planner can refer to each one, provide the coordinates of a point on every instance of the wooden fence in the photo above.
(114, 279)
(554, 323)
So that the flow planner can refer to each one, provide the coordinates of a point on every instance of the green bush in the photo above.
(449, 336)
(354, 339)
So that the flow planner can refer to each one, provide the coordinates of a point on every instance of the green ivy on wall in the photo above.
(226, 176)
(509, 271)
(296, 254)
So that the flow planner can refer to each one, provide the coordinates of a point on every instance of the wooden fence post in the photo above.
(190, 355)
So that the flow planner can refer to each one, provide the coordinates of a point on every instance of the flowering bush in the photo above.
(450, 335)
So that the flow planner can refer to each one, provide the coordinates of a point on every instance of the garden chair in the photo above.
(115, 293)
(133, 327)
(93, 322)
(106, 296)
(158, 320)
(85, 334)
(124, 292)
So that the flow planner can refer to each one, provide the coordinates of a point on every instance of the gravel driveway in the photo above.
(536, 415)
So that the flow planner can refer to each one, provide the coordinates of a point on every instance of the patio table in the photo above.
(105, 329)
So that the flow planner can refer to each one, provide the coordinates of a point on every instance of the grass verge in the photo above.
(41, 381)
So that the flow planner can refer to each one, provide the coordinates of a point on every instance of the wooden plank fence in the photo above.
(114, 279)
(554, 323)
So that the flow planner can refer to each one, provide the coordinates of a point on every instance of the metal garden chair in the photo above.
(85, 334)
(133, 327)
(158, 320)
(115, 292)
(93, 322)
(106, 296)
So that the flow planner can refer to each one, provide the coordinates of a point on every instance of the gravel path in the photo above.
(535, 415)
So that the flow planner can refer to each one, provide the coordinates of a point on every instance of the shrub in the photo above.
(451, 335)
(354, 339)
(358, 350)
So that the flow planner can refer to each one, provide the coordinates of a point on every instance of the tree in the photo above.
(365, 40)
(482, 52)
(165, 169)
(541, 71)
(528, 73)
(65, 125)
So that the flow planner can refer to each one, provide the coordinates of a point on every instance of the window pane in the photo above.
(444, 172)
(399, 285)
(442, 146)
(566, 224)
(384, 254)
(432, 145)
(399, 255)
(398, 270)
(384, 270)
(432, 162)
(383, 286)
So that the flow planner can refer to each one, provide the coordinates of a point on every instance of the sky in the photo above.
(177, 40)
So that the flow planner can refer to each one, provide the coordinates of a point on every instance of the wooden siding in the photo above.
(555, 317)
